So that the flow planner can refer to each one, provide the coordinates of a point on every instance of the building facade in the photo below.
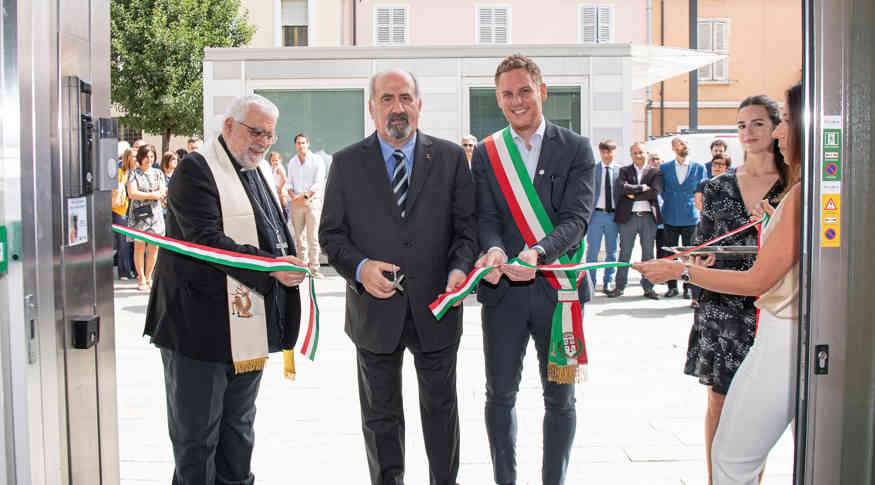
(763, 42)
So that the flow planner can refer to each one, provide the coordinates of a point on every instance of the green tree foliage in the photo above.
(157, 52)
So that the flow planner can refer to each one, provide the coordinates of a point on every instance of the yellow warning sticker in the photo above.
(831, 218)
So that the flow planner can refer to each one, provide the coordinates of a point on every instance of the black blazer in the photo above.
(360, 219)
(564, 181)
(627, 184)
(188, 307)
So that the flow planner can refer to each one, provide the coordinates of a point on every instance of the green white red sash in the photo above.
(242, 261)
(567, 349)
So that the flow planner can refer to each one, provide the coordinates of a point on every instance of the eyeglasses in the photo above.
(258, 133)
(467, 144)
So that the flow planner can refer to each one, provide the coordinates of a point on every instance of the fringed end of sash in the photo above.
(289, 364)
(563, 374)
(251, 365)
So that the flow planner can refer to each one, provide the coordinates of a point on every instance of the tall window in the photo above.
(714, 37)
(493, 25)
(562, 108)
(596, 22)
(294, 20)
(391, 25)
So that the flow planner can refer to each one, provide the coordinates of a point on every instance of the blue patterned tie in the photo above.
(399, 182)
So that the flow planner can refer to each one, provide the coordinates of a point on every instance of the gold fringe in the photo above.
(289, 364)
(562, 374)
(251, 365)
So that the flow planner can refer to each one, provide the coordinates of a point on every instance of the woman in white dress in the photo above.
(760, 403)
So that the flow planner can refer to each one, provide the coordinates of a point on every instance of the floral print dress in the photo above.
(724, 325)
(148, 181)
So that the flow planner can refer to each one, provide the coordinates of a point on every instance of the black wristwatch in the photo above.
(685, 275)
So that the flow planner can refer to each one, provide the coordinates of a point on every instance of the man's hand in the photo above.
(372, 278)
(290, 278)
(521, 273)
(299, 199)
(492, 258)
(455, 280)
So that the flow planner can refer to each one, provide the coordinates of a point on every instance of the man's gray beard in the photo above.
(244, 161)
(398, 133)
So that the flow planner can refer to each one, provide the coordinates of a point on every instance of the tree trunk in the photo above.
(165, 142)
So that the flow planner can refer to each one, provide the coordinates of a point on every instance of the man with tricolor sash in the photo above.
(215, 324)
(534, 184)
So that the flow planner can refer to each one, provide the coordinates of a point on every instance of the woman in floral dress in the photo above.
(146, 189)
(724, 325)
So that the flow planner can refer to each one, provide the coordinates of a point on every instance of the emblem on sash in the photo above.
(241, 303)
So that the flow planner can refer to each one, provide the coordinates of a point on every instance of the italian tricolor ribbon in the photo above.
(567, 349)
(242, 261)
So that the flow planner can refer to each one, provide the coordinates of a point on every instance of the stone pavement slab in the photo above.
(639, 418)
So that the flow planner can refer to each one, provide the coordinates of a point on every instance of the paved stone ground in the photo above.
(639, 417)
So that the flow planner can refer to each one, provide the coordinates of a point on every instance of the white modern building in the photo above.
(322, 91)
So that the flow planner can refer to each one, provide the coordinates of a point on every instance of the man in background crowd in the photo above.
(468, 142)
(638, 188)
(718, 147)
(306, 181)
(193, 144)
(601, 224)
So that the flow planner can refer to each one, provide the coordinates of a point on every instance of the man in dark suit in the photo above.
(402, 202)
(517, 301)
(221, 197)
(637, 214)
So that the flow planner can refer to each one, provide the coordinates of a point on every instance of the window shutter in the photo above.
(484, 18)
(721, 36)
(399, 25)
(588, 23)
(605, 23)
(390, 25)
(501, 29)
(721, 70)
(492, 25)
(383, 17)
(705, 36)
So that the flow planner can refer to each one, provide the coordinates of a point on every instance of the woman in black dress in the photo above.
(724, 325)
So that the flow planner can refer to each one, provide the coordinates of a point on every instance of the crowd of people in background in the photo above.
(140, 202)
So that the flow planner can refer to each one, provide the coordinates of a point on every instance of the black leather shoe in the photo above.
(671, 292)
(614, 293)
(651, 294)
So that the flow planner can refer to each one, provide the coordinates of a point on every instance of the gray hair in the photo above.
(373, 81)
(240, 107)
(469, 137)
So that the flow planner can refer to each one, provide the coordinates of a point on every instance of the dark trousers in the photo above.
(379, 378)
(524, 311)
(645, 228)
(123, 249)
(670, 235)
(210, 413)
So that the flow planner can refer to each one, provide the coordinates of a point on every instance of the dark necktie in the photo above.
(609, 197)
(399, 182)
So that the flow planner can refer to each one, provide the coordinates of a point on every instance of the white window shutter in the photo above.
(383, 29)
(605, 23)
(399, 25)
(705, 37)
(588, 23)
(484, 21)
(721, 70)
(721, 36)
(500, 25)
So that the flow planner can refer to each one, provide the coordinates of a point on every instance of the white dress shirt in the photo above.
(307, 176)
(530, 155)
(681, 170)
(640, 205)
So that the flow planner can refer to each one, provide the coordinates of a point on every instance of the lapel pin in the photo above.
(541, 172)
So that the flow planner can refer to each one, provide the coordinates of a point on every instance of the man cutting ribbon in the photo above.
(214, 323)
(534, 184)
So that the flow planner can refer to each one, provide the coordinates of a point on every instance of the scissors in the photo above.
(396, 280)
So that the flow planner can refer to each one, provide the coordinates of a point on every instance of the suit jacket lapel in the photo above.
(422, 162)
(376, 175)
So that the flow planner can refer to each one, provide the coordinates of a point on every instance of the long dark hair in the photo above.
(795, 110)
(774, 111)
